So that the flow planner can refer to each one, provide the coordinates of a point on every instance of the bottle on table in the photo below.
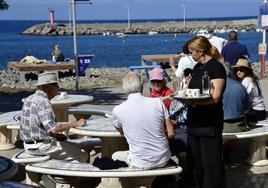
(206, 84)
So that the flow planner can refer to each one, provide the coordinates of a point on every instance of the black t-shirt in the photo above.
(203, 119)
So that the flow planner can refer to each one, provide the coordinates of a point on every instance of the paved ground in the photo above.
(238, 176)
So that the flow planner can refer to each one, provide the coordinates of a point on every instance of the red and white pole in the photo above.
(52, 17)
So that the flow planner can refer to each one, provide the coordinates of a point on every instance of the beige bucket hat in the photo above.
(47, 78)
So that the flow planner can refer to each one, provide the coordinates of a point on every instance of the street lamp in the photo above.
(128, 15)
(74, 3)
(183, 8)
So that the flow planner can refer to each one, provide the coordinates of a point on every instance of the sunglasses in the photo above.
(241, 70)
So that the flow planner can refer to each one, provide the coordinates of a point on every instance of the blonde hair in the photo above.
(201, 43)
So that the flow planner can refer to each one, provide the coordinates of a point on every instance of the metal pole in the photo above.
(263, 65)
(128, 16)
(70, 12)
(75, 45)
(184, 22)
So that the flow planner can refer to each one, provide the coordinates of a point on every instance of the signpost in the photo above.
(83, 62)
(263, 23)
(74, 2)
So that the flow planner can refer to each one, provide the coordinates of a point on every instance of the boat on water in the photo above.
(152, 33)
(203, 32)
(121, 35)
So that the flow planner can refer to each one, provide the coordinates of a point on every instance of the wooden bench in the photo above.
(257, 149)
(128, 177)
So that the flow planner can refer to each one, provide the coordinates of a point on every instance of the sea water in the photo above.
(109, 51)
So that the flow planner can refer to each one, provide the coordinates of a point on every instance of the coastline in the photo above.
(62, 29)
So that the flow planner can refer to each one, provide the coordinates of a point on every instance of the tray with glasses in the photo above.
(191, 97)
(190, 94)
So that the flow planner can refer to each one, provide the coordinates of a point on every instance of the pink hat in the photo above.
(157, 74)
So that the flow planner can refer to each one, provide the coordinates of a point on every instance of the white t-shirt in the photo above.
(217, 42)
(184, 63)
(142, 120)
(255, 96)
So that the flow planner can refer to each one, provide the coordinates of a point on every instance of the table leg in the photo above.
(109, 146)
(109, 183)
(61, 112)
(257, 152)
(6, 139)
(134, 182)
(32, 178)
(113, 144)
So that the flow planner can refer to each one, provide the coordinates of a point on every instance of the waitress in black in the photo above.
(205, 117)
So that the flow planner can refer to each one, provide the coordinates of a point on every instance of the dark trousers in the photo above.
(204, 158)
(255, 115)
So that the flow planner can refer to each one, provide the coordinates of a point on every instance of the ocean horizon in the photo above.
(151, 20)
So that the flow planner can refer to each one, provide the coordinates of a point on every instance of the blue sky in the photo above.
(139, 9)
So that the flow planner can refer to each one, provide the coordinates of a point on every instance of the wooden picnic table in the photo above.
(24, 68)
(158, 58)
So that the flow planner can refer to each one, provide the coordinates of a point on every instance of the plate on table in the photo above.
(186, 97)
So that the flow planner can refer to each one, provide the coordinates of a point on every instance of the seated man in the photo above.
(235, 105)
(38, 126)
(142, 121)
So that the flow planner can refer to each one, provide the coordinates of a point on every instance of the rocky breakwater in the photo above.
(98, 77)
(141, 28)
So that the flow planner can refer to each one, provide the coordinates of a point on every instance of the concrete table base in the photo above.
(257, 152)
(6, 139)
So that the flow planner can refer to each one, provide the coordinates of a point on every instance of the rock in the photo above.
(141, 28)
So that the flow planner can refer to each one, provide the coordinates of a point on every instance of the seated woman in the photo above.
(249, 80)
(57, 54)
(178, 117)
(159, 86)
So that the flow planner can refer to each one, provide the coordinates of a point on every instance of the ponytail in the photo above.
(215, 54)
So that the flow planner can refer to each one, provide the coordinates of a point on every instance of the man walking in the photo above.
(233, 50)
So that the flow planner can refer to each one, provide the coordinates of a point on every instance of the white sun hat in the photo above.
(47, 78)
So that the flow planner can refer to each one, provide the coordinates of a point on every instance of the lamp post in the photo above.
(183, 8)
(128, 16)
(74, 2)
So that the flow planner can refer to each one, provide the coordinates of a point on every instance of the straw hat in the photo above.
(243, 63)
(47, 78)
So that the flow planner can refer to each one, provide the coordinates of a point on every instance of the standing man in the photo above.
(218, 42)
(233, 50)
(143, 120)
(38, 128)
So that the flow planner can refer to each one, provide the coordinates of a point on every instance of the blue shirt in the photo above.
(233, 50)
(235, 100)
